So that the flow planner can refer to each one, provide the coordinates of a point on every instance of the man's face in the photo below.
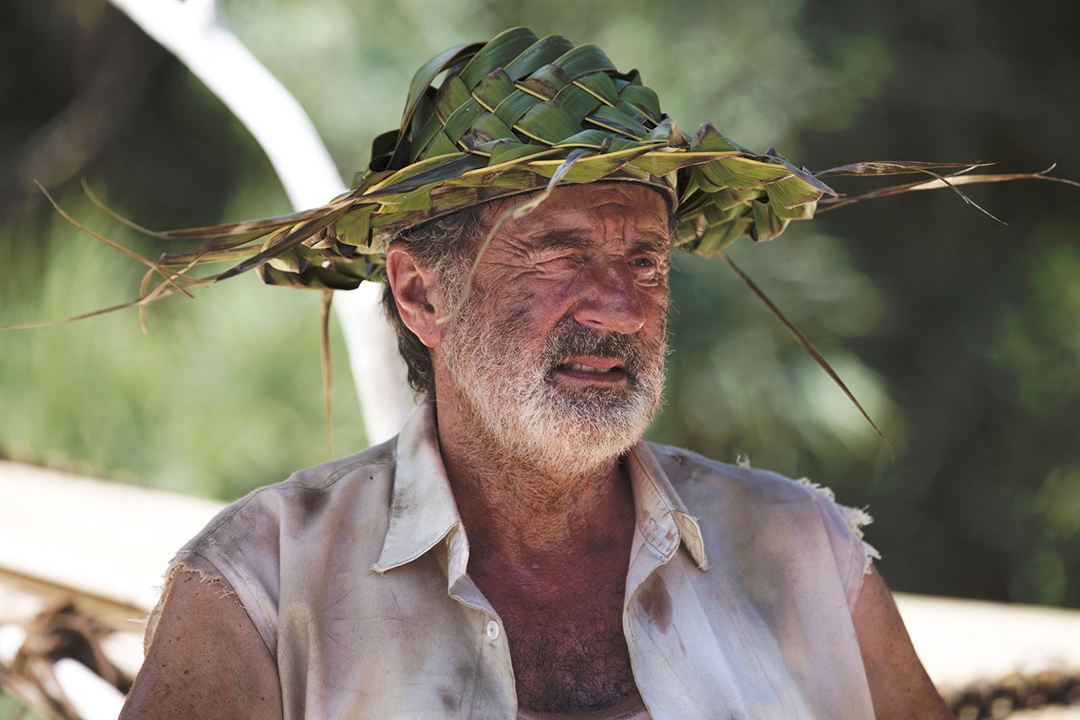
(560, 347)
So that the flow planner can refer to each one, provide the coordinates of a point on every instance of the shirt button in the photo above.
(492, 630)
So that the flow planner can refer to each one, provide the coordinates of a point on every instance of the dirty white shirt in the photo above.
(738, 599)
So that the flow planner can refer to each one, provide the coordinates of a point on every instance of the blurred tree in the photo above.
(980, 345)
(166, 409)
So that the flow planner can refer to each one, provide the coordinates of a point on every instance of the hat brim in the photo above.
(717, 196)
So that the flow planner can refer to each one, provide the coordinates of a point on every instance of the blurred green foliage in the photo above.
(961, 336)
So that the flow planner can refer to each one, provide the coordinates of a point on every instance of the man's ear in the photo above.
(419, 301)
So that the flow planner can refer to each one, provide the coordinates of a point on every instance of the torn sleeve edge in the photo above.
(209, 573)
(863, 554)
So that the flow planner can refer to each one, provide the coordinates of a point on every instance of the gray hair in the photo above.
(444, 245)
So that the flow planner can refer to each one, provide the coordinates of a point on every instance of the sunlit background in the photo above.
(959, 334)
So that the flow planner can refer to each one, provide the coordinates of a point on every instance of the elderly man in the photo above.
(519, 550)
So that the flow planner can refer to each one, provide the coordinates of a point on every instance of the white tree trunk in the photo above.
(194, 33)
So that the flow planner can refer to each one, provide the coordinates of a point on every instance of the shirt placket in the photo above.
(492, 693)
(670, 641)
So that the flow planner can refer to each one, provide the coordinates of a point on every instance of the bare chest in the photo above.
(572, 659)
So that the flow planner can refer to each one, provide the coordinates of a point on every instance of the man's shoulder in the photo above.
(355, 483)
(692, 474)
(767, 507)
(277, 531)
(328, 475)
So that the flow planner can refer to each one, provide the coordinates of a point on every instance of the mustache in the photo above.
(570, 338)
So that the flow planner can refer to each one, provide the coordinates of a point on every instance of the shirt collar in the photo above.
(422, 507)
(662, 518)
(423, 511)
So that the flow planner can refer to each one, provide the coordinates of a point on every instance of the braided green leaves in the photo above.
(505, 118)
(523, 103)
(509, 116)
(517, 114)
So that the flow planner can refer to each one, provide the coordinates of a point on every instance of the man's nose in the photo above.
(609, 300)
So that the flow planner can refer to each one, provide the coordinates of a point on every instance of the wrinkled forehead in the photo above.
(598, 210)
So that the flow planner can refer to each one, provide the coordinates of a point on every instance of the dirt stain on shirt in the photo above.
(655, 600)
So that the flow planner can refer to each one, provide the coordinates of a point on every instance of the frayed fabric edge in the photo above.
(856, 519)
(182, 562)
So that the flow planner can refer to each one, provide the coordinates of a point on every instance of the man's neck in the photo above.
(550, 552)
(529, 524)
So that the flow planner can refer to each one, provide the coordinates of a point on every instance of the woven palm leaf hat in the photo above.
(516, 114)
(512, 115)
(519, 113)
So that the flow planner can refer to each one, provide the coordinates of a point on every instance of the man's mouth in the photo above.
(592, 369)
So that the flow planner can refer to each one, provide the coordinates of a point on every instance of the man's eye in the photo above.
(559, 264)
(643, 262)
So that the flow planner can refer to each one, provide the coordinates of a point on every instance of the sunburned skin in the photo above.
(550, 551)
(610, 275)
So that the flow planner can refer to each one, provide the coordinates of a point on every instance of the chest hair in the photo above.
(570, 660)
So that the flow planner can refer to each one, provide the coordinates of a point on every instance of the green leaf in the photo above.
(618, 144)
(767, 224)
(282, 278)
(599, 85)
(584, 172)
(354, 228)
(547, 123)
(798, 212)
(708, 138)
(582, 60)
(730, 198)
(424, 137)
(716, 216)
(737, 172)
(591, 138)
(719, 237)
(792, 192)
(294, 236)
(493, 89)
(514, 106)
(632, 112)
(661, 163)
(416, 200)
(462, 119)
(429, 170)
(419, 85)
(451, 95)
(806, 176)
(576, 103)
(486, 128)
(644, 100)
(498, 51)
(440, 145)
(289, 261)
(542, 52)
(336, 277)
(545, 83)
(511, 151)
(617, 121)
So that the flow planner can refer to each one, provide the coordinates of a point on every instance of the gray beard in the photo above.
(522, 410)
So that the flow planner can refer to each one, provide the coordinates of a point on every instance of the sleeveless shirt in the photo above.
(738, 599)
